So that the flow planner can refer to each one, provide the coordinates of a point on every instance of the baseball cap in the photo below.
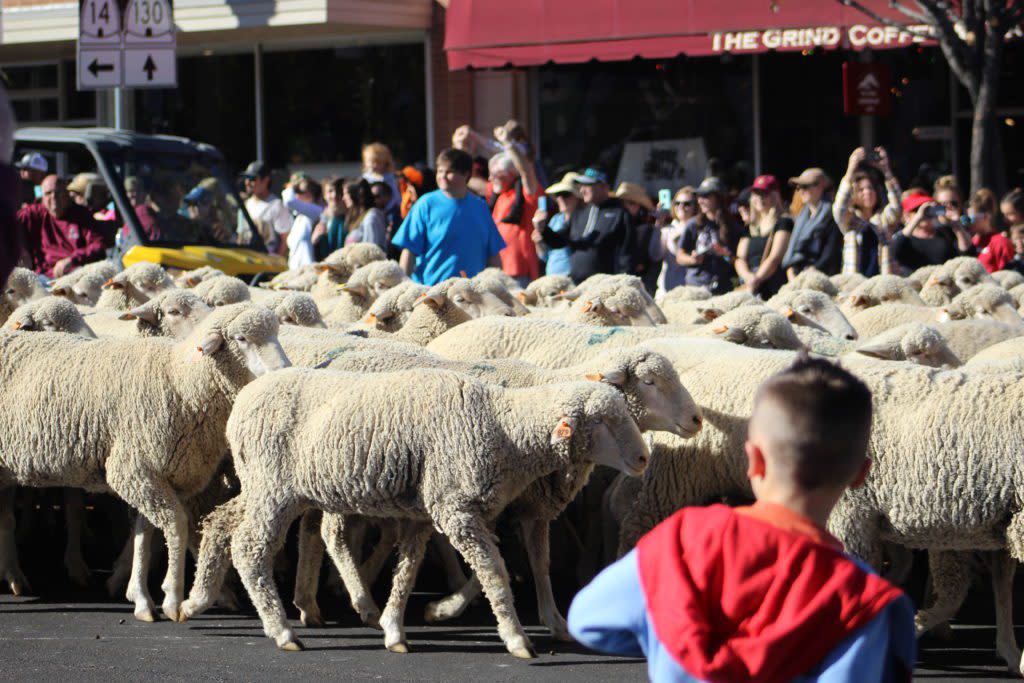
(765, 183)
(811, 176)
(913, 202)
(34, 161)
(256, 169)
(710, 185)
(591, 176)
(197, 195)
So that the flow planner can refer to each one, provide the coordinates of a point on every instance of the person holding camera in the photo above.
(925, 242)
(867, 223)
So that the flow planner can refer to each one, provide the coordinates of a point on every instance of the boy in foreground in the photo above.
(763, 593)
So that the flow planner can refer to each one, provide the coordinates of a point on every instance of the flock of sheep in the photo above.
(368, 406)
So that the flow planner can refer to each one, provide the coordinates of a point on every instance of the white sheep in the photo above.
(191, 278)
(222, 290)
(502, 286)
(1008, 279)
(605, 281)
(914, 342)
(133, 286)
(680, 311)
(338, 267)
(939, 289)
(356, 295)
(685, 293)
(846, 283)
(84, 285)
(453, 461)
(811, 308)
(298, 308)
(93, 434)
(966, 272)
(49, 314)
(544, 290)
(392, 309)
(812, 279)
(21, 287)
(985, 301)
(878, 290)
(301, 279)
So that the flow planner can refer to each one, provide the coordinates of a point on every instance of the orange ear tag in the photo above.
(370, 319)
(587, 306)
(789, 312)
(563, 430)
(594, 376)
(521, 296)
(720, 329)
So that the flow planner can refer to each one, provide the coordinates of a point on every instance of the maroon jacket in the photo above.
(49, 239)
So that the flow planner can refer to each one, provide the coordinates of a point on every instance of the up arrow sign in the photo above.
(869, 82)
(149, 67)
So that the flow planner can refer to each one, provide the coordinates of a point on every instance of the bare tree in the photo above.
(972, 35)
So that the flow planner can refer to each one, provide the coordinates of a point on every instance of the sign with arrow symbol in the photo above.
(126, 43)
(154, 68)
(98, 68)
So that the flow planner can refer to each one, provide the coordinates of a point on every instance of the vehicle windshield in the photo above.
(183, 199)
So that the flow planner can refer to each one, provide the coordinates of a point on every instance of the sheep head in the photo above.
(243, 335)
(596, 426)
(914, 342)
(812, 308)
(174, 313)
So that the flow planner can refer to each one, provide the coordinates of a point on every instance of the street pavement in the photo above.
(66, 637)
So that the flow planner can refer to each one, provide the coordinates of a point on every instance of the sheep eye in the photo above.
(804, 309)
(649, 382)
(460, 300)
(174, 311)
(240, 339)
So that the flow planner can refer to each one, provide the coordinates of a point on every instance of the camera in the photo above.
(934, 212)
(872, 156)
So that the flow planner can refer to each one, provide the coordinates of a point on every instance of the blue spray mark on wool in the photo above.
(602, 337)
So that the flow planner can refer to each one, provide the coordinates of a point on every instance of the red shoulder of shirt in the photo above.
(755, 594)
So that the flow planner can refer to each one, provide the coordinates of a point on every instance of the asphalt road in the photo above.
(51, 639)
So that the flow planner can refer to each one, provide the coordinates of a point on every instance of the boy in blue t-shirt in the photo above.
(450, 231)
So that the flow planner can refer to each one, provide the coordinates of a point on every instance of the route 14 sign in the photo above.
(126, 43)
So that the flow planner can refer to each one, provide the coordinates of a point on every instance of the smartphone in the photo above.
(665, 199)
(542, 204)
(872, 157)
(935, 211)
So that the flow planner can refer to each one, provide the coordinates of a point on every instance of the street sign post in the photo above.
(866, 89)
(126, 43)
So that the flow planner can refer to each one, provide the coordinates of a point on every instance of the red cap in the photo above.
(765, 183)
(913, 202)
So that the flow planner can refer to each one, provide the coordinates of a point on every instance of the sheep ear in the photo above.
(110, 284)
(571, 295)
(563, 430)
(709, 314)
(358, 290)
(858, 300)
(877, 349)
(434, 301)
(18, 325)
(59, 291)
(736, 335)
(788, 312)
(146, 313)
(593, 305)
(615, 377)
(210, 344)
(192, 281)
(522, 297)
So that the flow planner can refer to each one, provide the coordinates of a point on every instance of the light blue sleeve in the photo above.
(882, 650)
(412, 234)
(610, 613)
(495, 242)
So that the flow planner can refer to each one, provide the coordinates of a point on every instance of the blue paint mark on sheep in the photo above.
(602, 337)
(483, 367)
(331, 355)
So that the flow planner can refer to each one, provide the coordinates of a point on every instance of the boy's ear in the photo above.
(862, 474)
(755, 460)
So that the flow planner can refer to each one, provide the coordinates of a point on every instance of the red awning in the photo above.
(495, 33)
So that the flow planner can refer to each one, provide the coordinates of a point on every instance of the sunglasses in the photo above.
(806, 186)
(952, 203)
(563, 195)
(687, 203)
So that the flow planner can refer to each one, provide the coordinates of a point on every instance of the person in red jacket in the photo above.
(59, 234)
(995, 249)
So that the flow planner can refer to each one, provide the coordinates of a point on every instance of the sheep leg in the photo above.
(122, 568)
(412, 544)
(138, 590)
(160, 505)
(450, 561)
(374, 564)
(255, 542)
(538, 547)
(74, 563)
(951, 578)
(455, 604)
(475, 541)
(333, 531)
(10, 572)
(214, 556)
(307, 572)
(1003, 568)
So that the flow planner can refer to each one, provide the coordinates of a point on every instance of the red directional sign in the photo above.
(867, 89)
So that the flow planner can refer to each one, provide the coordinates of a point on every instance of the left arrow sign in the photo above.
(95, 67)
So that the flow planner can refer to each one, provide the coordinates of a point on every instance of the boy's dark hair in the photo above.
(817, 419)
(383, 187)
(456, 159)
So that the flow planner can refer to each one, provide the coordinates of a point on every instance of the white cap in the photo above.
(34, 161)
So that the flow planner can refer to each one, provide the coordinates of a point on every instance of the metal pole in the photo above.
(755, 77)
(257, 61)
(954, 137)
(867, 123)
(119, 108)
(428, 76)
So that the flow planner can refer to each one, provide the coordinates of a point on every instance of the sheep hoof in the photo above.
(401, 647)
(311, 618)
(145, 614)
(292, 646)
(523, 652)
(171, 612)
(16, 581)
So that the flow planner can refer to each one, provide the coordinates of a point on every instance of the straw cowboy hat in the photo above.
(634, 193)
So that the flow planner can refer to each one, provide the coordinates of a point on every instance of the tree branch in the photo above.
(871, 14)
(908, 12)
(958, 54)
